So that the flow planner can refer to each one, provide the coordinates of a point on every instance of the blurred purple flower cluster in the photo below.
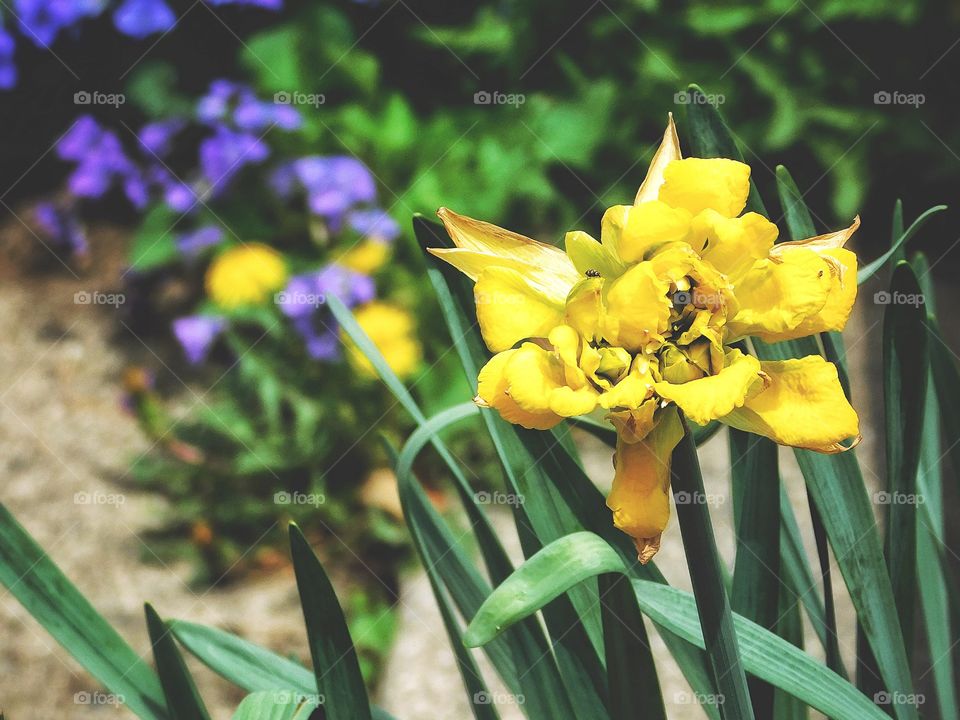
(234, 126)
(42, 22)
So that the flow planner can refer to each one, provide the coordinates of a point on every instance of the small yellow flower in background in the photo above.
(648, 322)
(367, 257)
(392, 330)
(245, 275)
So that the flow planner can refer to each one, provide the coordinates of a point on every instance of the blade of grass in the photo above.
(183, 699)
(335, 665)
(790, 628)
(46, 593)
(871, 269)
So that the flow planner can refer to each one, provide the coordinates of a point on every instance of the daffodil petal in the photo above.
(733, 245)
(537, 382)
(637, 309)
(803, 406)
(492, 391)
(473, 263)
(632, 230)
(668, 151)
(640, 498)
(714, 396)
(589, 257)
(840, 298)
(775, 297)
(510, 309)
(697, 184)
(490, 239)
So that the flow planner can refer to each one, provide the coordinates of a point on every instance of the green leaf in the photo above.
(541, 685)
(574, 558)
(631, 670)
(870, 269)
(45, 592)
(932, 578)
(154, 245)
(755, 592)
(275, 705)
(339, 682)
(790, 628)
(706, 575)
(905, 368)
(183, 699)
(240, 661)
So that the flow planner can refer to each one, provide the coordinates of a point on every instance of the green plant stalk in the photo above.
(713, 605)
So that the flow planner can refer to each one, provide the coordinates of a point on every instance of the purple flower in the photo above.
(62, 227)
(140, 18)
(333, 184)
(8, 69)
(42, 20)
(196, 334)
(100, 159)
(230, 101)
(155, 137)
(349, 287)
(136, 190)
(214, 106)
(322, 344)
(196, 241)
(224, 153)
(374, 223)
(266, 4)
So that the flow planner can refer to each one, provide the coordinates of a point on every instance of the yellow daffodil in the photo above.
(654, 319)
(245, 275)
(392, 330)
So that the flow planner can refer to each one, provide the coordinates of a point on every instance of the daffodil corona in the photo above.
(654, 318)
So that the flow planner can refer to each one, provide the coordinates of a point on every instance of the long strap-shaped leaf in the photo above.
(932, 578)
(183, 699)
(247, 665)
(335, 665)
(834, 482)
(755, 594)
(275, 705)
(580, 556)
(33, 579)
(703, 562)
(905, 368)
